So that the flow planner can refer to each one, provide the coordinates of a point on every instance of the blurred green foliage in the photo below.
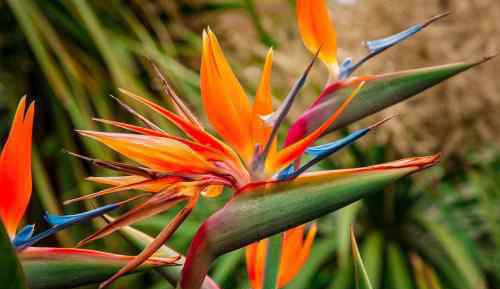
(70, 55)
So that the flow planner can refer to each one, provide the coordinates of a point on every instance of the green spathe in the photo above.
(261, 210)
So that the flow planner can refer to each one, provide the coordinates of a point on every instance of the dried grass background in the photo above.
(457, 117)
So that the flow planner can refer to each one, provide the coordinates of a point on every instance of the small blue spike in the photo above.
(285, 173)
(377, 46)
(322, 151)
(23, 235)
(332, 147)
(62, 222)
(346, 68)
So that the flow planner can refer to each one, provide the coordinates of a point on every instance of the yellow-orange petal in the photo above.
(294, 252)
(15, 168)
(158, 153)
(255, 255)
(126, 183)
(317, 29)
(205, 150)
(225, 102)
(193, 131)
(263, 104)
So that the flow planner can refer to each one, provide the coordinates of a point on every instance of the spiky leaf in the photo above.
(362, 279)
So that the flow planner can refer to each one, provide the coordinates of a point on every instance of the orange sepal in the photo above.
(263, 104)
(294, 252)
(225, 102)
(126, 183)
(317, 29)
(207, 151)
(255, 255)
(193, 131)
(157, 153)
(15, 168)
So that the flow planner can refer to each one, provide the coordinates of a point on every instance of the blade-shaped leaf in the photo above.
(456, 249)
(379, 93)
(262, 210)
(372, 252)
(362, 279)
(53, 268)
(272, 262)
(11, 273)
(398, 271)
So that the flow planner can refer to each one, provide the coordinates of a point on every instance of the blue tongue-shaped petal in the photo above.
(376, 47)
(285, 173)
(59, 223)
(333, 147)
(346, 68)
(24, 235)
(67, 220)
(323, 151)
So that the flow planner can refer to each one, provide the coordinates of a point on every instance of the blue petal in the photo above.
(346, 68)
(323, 151)
(286, 173)
(330, 148)
(62, 222)
(377, 46)
(55, 220)
(23, 235)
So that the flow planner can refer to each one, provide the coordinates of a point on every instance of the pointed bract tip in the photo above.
(382, 122)
(424, 162)
(488, 58)
(70, 153)
(435, 18)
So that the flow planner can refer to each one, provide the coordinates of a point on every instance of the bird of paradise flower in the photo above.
(176, 169)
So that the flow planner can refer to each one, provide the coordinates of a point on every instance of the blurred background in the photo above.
(440, 229)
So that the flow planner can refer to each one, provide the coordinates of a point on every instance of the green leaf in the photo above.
(458, 251)
(227, 266)
(342, 278)
(11, 273)
(399, 276)
(53, 268)
(362, 279)
(272, 262)
(383, 91)
(344, 219)
(262, 210)
(372, 252)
